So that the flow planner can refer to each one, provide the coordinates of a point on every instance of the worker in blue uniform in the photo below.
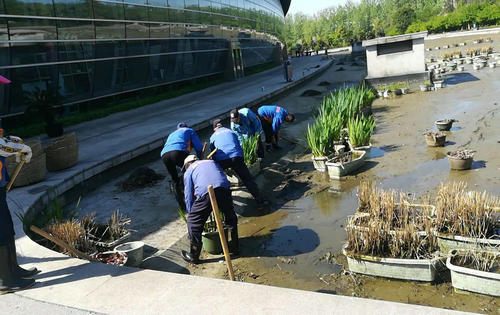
(12, 276)
(177, 147)
(246, 124)
(199, 174)
(271, 117)
(230, 155)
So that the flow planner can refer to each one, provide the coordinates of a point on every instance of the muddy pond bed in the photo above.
(298, 242)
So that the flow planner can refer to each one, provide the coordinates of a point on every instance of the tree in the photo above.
(402, 18)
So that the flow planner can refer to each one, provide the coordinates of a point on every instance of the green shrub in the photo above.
(323, 133)
(249, 146)
(360, 130)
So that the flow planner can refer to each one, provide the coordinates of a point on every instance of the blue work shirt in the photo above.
(227, 144)
(4, 179)
(183, 139)
(249, 124)
(275, 115)
(198, 176)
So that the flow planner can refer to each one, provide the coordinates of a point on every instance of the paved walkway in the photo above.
(93, 287)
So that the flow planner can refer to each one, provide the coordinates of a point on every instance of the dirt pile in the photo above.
(139, 178)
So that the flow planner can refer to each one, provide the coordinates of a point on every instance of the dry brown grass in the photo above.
(465, 213)
(479, 260)
(72, 233)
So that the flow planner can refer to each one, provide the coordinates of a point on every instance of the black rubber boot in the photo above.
(193, 256)
(234, 245)
(18, 270)
(9, 282)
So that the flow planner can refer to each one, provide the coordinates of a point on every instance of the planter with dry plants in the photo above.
(475, 271)
(460, 159)
(435, 139)
(466, 219)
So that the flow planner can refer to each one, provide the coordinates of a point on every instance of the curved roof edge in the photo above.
(285, 4)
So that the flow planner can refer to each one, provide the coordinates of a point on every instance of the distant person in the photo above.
(177, 147)
(271, 117)
(198, 175)
(230, 155)
(245, 124)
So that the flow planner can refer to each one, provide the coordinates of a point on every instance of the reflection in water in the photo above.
(376, 152)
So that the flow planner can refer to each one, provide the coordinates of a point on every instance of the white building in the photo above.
(396, 58)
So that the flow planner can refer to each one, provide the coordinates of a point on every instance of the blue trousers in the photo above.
(6, 224)
(201, 209)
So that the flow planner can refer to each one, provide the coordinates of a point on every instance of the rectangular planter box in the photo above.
(337, 170)
(447, 242)
(319, 163)
(404, 269)
(473, 280)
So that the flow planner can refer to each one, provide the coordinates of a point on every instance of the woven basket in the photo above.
(61, 155)
(32, 172)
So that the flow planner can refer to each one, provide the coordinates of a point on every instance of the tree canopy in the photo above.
(354, 21)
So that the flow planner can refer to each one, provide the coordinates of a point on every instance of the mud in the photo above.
(297, 242)
(311, 93)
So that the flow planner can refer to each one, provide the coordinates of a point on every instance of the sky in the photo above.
(312, 6)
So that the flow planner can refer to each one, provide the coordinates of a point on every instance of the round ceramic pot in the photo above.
(459, 164)
(443, 125)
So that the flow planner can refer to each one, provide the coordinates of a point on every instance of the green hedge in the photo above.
(482, 14)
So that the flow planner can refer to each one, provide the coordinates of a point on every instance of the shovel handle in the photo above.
(14, 175)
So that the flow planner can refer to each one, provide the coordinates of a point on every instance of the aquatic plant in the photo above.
(249, 146)
(465, 213)
(360, 130)
(72, 233)
(322, 135)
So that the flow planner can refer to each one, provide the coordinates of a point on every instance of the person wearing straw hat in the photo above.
(12, 276)
(177, 147)
(199, 174)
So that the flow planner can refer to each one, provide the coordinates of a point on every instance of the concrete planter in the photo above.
(435, 140)
(492, 65)
(439, 84)
(337, 170)
(448, 242)
(424, 88)
(461, 68)
(319, 163)
(366, 148)
(444, 124)
(404, 269)
(473, 280)
(459, 164)
(476, 66)
(468, 61)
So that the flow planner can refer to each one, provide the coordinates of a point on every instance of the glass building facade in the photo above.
(95, 48)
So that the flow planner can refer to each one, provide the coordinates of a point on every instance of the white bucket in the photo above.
(134, 251)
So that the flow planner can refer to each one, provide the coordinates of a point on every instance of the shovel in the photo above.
(16, 172)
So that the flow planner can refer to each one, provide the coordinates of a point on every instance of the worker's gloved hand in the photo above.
(25, 154)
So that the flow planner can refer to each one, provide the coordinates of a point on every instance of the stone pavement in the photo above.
(93, 287)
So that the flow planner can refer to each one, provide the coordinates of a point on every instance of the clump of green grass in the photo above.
(360, 130)
(249, 146)
(322, 135)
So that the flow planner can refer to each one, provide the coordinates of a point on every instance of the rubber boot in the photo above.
(18, 270)
(193, 256)
(234, 245)
(9, 282)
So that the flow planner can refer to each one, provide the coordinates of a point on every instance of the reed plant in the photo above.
(465, 213)
(360, 130)
(250, 146)
(72, 233)
(322, 135)
(479, 260)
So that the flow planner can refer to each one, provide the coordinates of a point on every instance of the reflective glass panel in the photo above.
(137, 30)
(176, 4)
(73, 8)
(112, 11)
(75, 29)
(109, 30)
(29, 7)
(67, 51)
(32, 29)
(159, 30)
